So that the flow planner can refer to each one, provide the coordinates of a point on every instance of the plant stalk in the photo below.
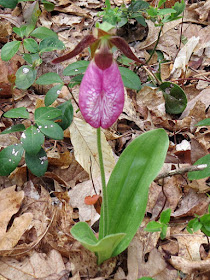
(103, 182)
(157, 41)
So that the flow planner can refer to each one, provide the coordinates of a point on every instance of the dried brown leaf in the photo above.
(192, 203)
(84, 140)
(188, 266)
(203, 11)
(155, 266)
(37, 265)
(77, 199)
(10, 204)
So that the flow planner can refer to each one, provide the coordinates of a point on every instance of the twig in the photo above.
(70, 91)
(157, 41)
(180, 38)
(181, 171)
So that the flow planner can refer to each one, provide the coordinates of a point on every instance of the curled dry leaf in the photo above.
(10, 204)
(183, 57)
(84, 140)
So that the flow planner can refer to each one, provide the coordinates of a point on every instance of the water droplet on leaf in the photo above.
(25, 70)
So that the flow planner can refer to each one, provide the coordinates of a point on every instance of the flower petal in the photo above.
(84, 43)
(101, 97)
(122, 45)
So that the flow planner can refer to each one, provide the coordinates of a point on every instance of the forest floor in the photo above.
(37, 213)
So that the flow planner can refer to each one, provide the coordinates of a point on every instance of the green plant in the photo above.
(139, 163)
(200, 223)
(175, 98)
(33, 137)
(126, 196)
(118, 17)
(49, 6)
(161, 16)
(26, 74)
(161, 225)
(30, 48)
(48, 121)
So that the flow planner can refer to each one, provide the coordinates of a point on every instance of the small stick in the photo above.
(181, 171)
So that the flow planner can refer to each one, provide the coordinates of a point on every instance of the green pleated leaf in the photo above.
(10, 158)
(75, 68)
(38, 163)
(103, 248)
(9, 50)
(17, 113)
(43, 32)
(47, 113)
(32, 139)
(127, 189)
(50, 129)
(51, 44)
(196, 175)
(14, 128)
(25, 77)
(31, 45)
(52, 94)
(130, 79)
(175, 98)
(49, 78)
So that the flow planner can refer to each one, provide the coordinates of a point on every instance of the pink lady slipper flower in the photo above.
(101, 95)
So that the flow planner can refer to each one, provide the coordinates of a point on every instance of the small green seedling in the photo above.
(200, 223)
(161, 225)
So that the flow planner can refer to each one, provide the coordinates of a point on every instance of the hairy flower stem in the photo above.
(103, 181)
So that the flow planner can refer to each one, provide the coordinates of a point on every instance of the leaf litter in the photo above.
(36, 214)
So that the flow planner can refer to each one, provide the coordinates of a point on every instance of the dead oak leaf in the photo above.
(155, 266)
(189, 267)
(203, 11)
(37, 265)
(10, 204)
(192, 203)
